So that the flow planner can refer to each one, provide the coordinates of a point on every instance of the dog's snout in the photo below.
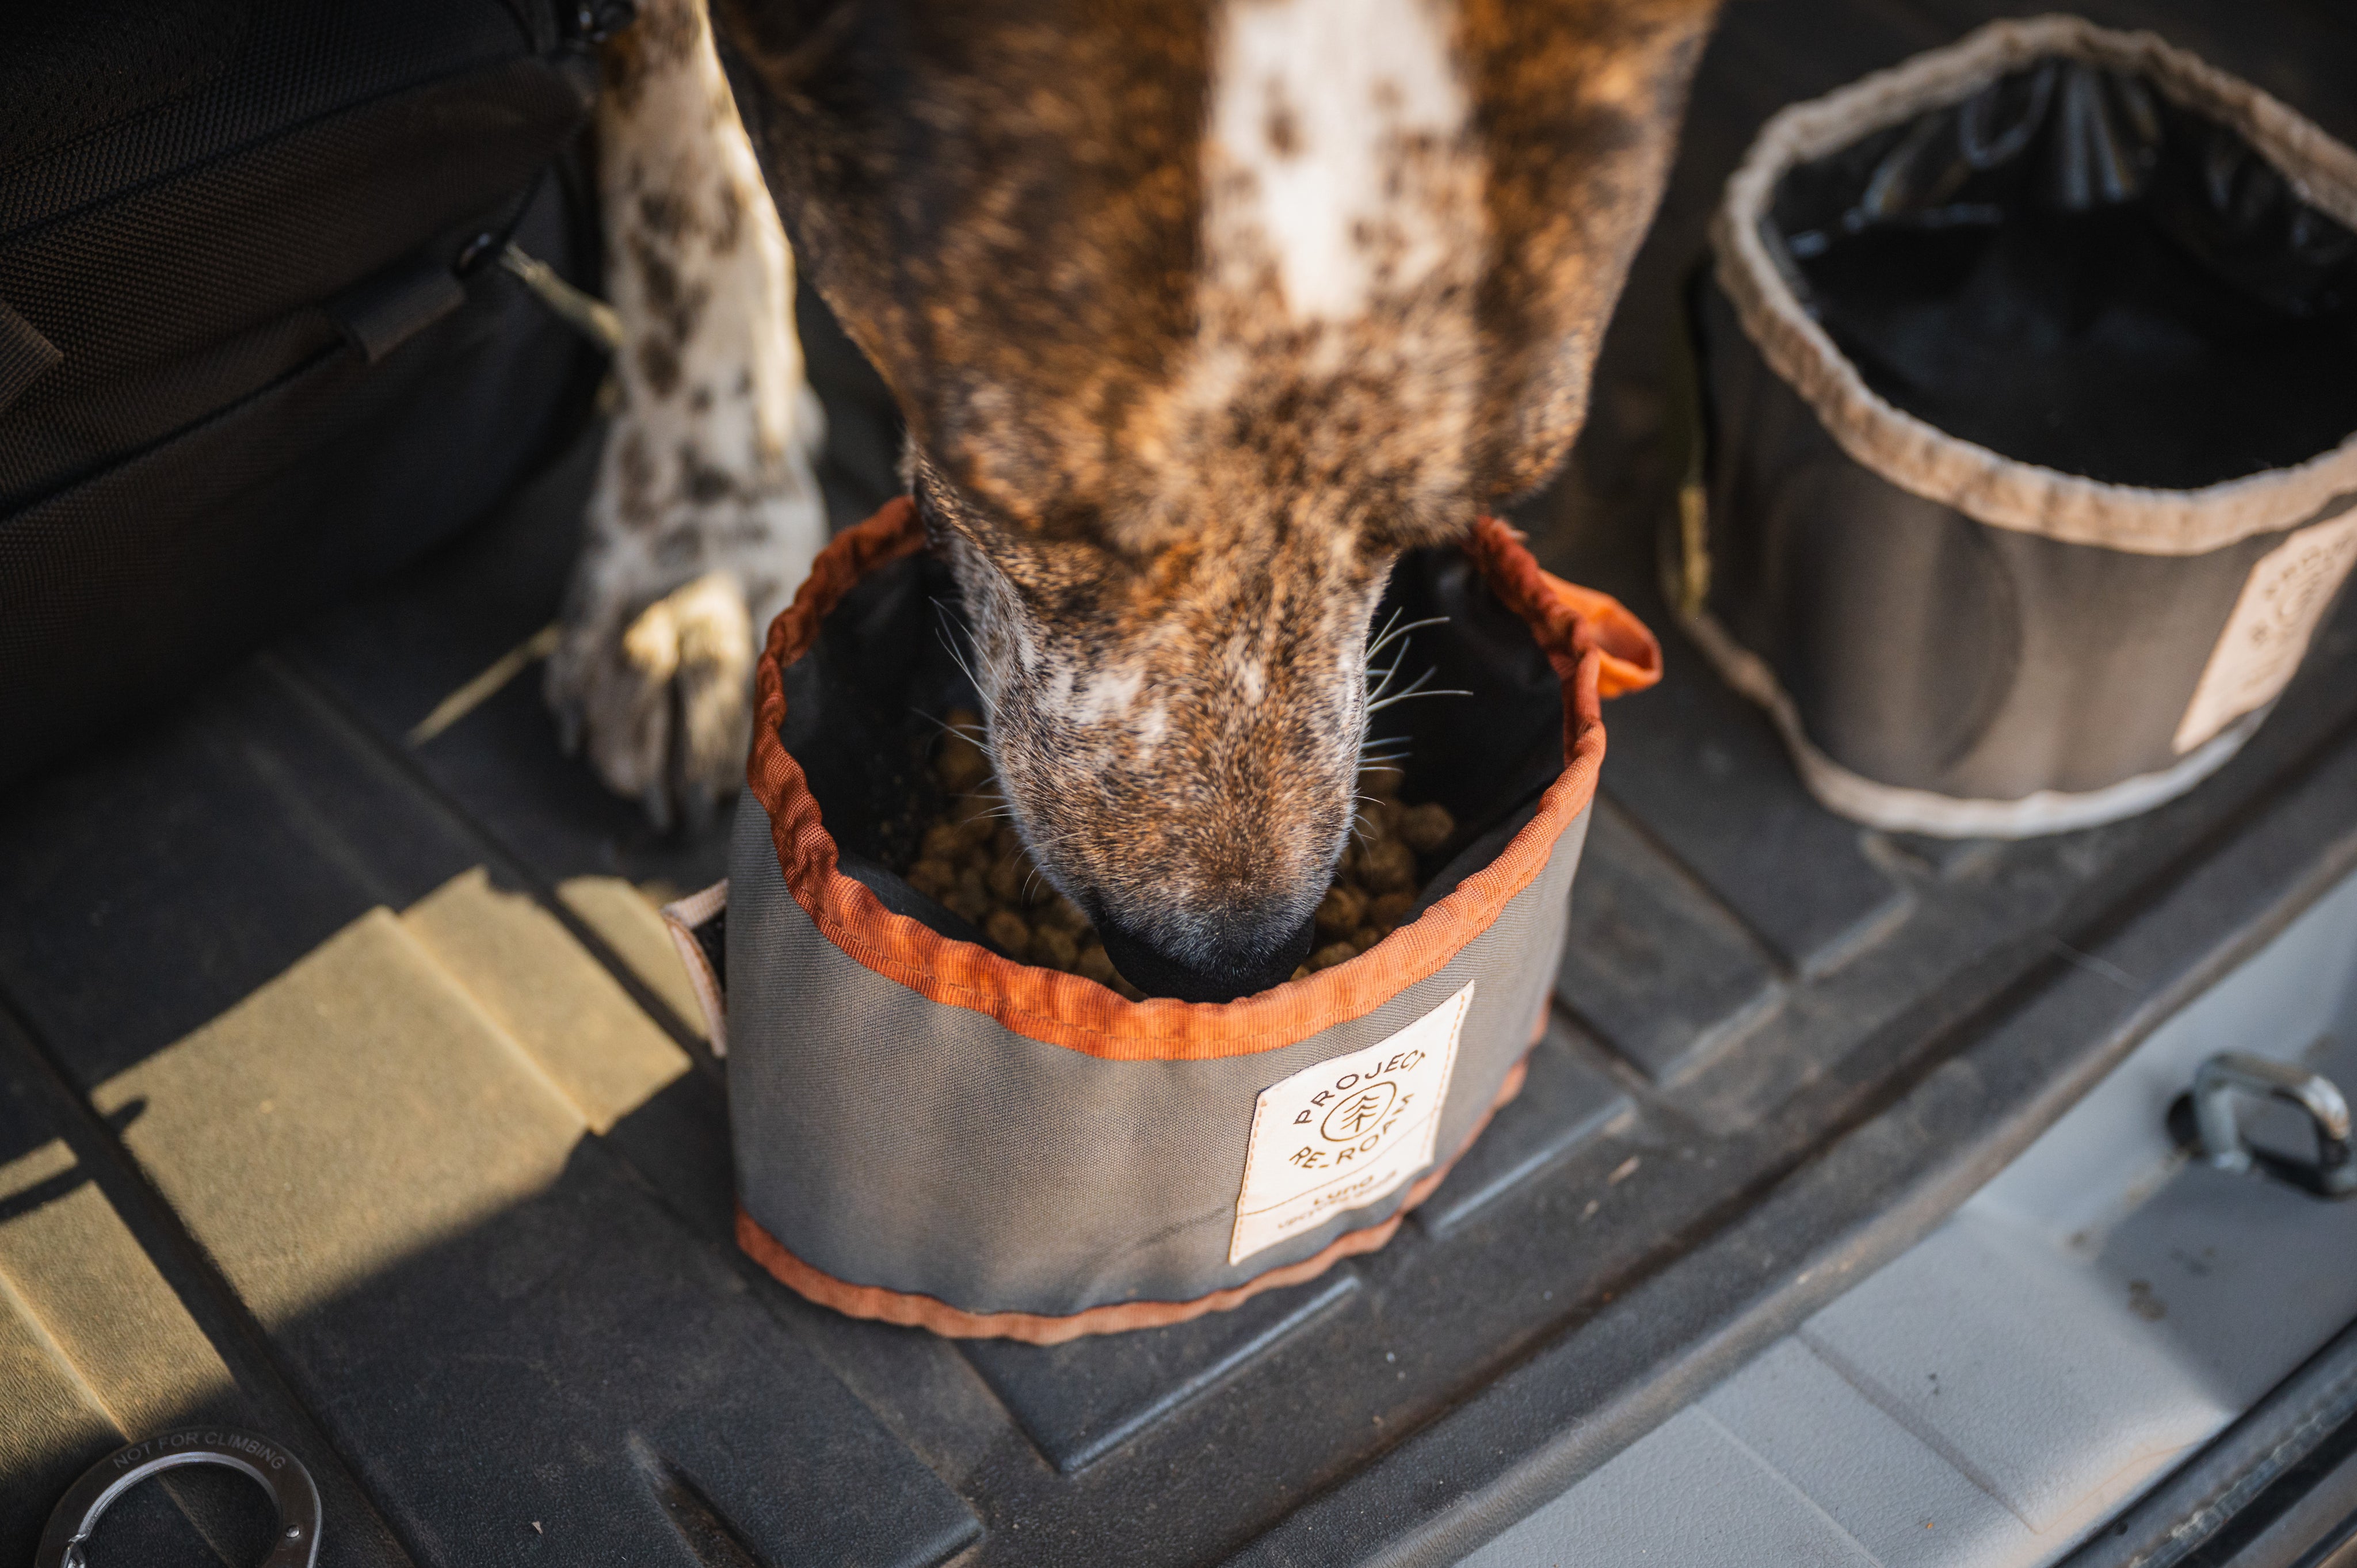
(1177, 746)
(1233, 954)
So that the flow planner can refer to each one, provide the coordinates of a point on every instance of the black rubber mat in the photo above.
(344, 1093)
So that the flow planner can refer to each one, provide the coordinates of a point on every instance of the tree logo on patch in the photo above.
(1351, 1119)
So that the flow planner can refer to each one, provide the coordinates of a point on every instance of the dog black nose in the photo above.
(1224, 970)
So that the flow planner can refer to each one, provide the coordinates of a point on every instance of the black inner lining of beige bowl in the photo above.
(2075, 272)
(864, 705)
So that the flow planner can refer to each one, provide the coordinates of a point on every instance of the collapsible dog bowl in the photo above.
(928, 1132)
(2029, 370)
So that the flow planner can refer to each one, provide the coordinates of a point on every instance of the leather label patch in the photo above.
(2267, 634)
(1347, 1132)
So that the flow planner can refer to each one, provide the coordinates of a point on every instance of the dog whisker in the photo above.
(1033, 846)
(1416, 688)
(1391, 633)
(973, 733)
(948, 621)
(1436, 692)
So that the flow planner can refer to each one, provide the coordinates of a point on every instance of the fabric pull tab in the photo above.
(25, 354)
(1629, 656)
(388, 310)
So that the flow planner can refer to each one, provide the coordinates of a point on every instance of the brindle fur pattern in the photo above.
(1201, 312)
(705, 514)
(1172, 494)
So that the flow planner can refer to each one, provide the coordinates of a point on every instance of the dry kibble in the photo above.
(1427, 827)
(1009, 930)
(961, 763)
(1388, 866)
(973, 861)
(1095, 964)
(1007, 876)
(1056, 949)
(971, 896)
(1341, 912)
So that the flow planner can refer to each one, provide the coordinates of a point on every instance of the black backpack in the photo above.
(255, 345)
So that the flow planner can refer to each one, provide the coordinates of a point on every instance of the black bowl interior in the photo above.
(864, 705)
(2075, 272)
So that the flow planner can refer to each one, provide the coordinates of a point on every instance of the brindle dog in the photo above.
(1199, 312)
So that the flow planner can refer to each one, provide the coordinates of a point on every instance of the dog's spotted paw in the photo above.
(706, 511)
(660, 695)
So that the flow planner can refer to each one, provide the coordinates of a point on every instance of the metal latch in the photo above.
(2204, 1121)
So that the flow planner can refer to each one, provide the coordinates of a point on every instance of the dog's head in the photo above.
(1176, 721)
(1199, 315)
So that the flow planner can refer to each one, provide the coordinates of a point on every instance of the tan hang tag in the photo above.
(2267, 634)
(1347, 1132)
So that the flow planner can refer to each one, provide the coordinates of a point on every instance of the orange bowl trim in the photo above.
(1579, 630)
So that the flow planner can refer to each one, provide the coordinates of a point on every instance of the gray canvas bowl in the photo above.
(929, 1133)
(2024, 471)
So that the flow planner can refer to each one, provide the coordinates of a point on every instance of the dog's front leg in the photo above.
(705, 513)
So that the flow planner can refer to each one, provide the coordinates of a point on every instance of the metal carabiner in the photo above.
(65, 1543)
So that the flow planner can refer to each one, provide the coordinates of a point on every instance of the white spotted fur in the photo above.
(1367, 223)
(1349, 78)
(673, 588)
